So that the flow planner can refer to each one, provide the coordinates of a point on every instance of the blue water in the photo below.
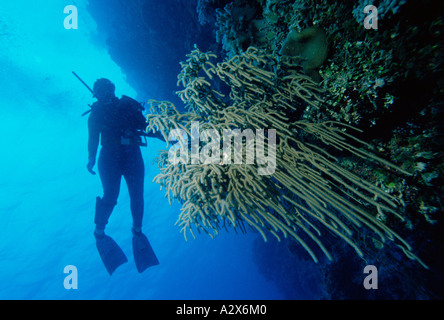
(47, 197)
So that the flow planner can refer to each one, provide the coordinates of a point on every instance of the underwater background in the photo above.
(387, 82)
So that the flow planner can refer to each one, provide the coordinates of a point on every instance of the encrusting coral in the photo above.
(310, 44)
(306, 194)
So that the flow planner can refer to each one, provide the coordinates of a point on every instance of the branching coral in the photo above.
(306, 195)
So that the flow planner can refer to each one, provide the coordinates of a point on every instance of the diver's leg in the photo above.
(134, 173)
(110, 172)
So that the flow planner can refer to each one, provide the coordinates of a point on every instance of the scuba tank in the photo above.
(127, 114)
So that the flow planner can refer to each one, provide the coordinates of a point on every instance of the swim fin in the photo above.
(144, 256)
(110, 252)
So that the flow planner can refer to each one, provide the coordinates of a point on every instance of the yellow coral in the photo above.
(307, 194)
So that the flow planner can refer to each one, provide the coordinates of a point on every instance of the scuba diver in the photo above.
(119, 125)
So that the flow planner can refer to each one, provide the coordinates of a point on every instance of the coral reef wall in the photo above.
(387, 82)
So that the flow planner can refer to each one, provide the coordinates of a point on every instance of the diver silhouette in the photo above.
(119, 125)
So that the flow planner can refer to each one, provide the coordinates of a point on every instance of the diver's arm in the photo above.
(93, 142)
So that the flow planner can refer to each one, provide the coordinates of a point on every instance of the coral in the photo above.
(419, 147)
(364, 69)
(239, 26)
(358, 72)
(205, 10)
(386, 8)
(310, 44)
(358, 81)
(307, 196)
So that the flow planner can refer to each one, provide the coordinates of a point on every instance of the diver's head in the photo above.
(103, 89)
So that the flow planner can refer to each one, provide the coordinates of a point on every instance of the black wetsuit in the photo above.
(116, 123)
